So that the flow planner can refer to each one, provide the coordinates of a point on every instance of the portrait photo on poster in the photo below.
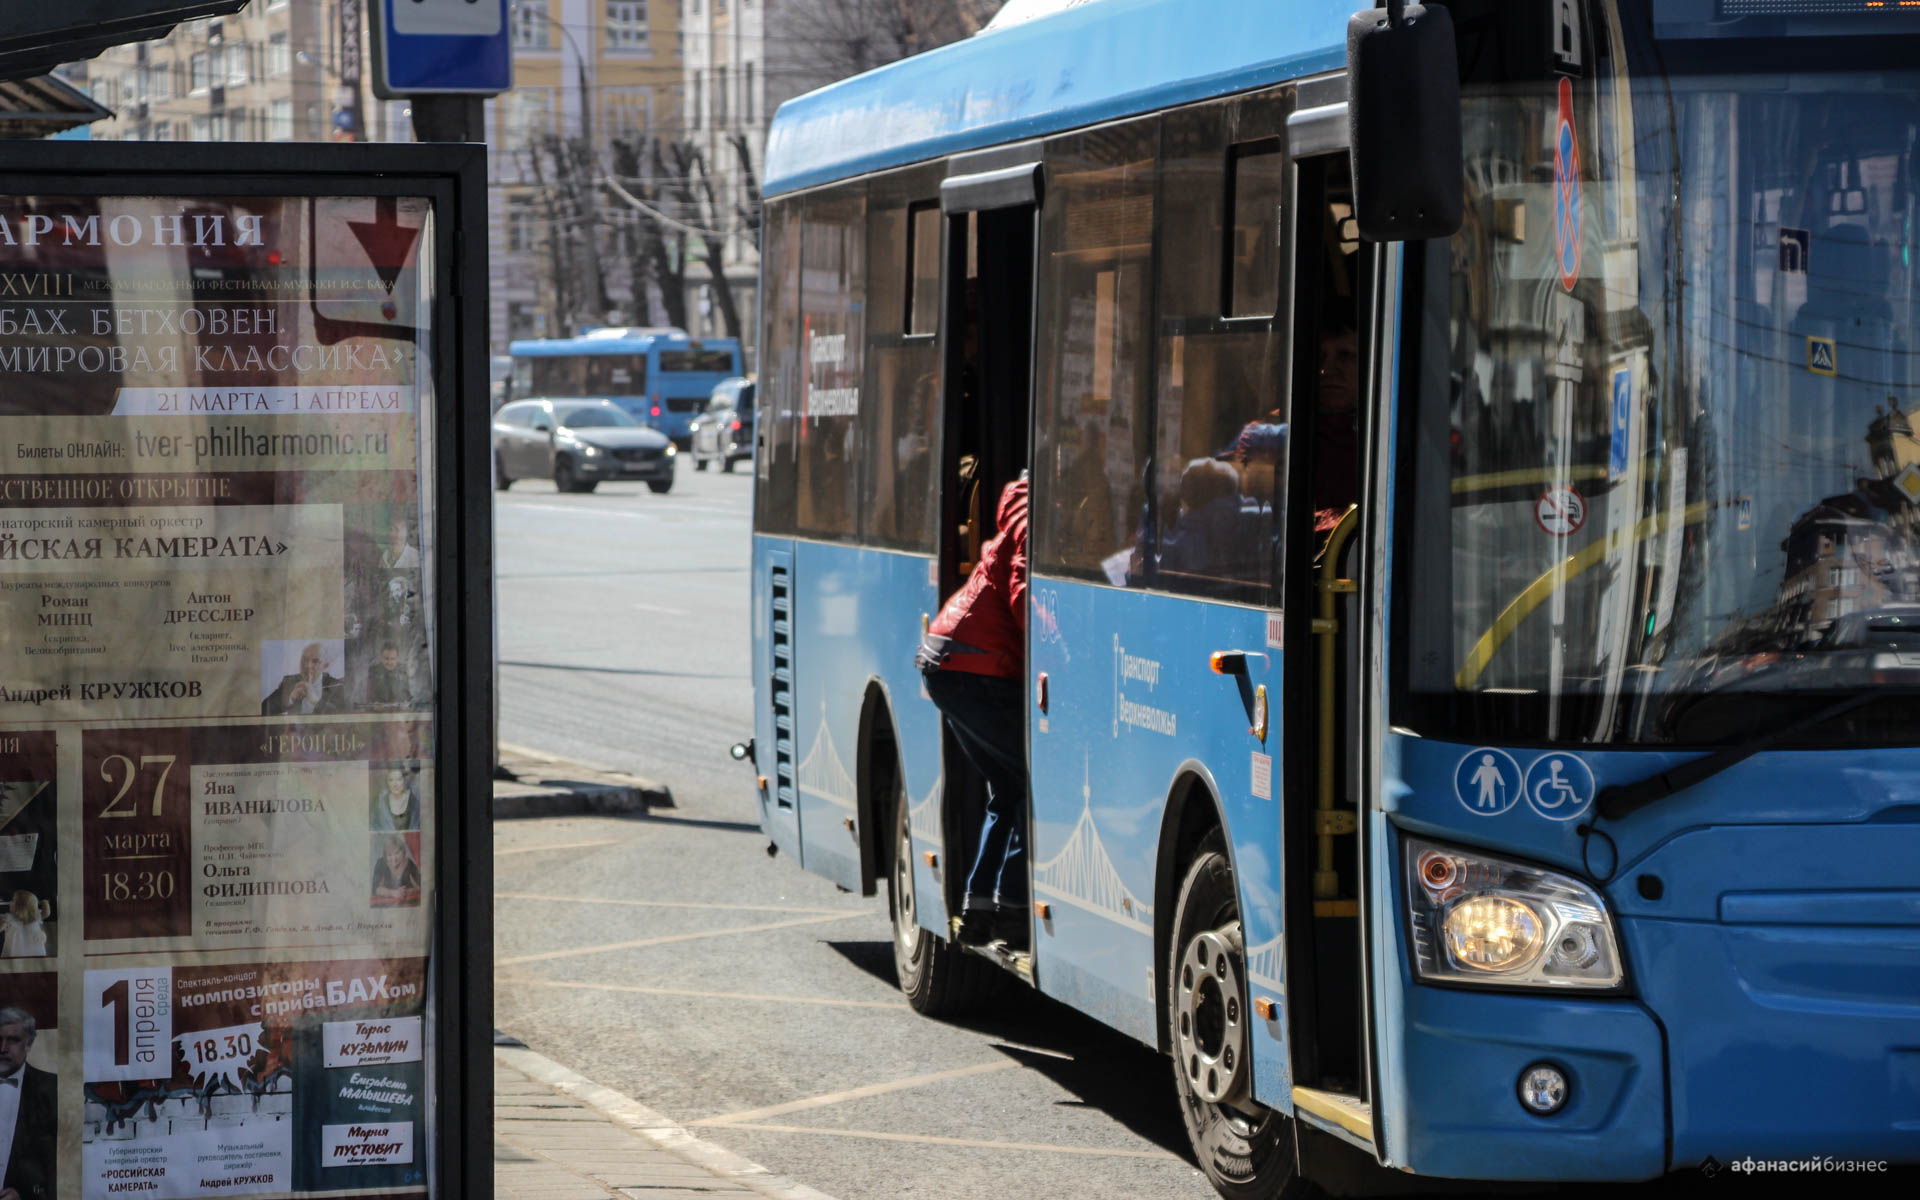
(301, 678)
(29, 1012)
(395, 803)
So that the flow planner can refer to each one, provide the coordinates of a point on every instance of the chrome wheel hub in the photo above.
(906, 925)
(1210, 1021)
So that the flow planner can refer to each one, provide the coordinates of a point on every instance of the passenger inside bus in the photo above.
(1336, 440)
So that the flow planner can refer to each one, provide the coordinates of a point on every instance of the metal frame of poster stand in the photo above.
(453, 178)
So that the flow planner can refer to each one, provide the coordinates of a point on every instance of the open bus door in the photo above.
(1335, 287)
(991, 205)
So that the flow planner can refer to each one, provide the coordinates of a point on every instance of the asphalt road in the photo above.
(672, 959)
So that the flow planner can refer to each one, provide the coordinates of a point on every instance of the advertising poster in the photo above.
(217, 727)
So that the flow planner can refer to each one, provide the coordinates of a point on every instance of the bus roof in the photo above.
(615, 339)
(1080, 65)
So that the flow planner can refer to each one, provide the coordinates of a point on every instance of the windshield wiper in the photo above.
(1617, 800)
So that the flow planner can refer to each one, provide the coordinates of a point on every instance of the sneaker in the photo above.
(1011, 924)
(976, 927)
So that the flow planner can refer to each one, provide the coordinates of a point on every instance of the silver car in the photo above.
(578, 444)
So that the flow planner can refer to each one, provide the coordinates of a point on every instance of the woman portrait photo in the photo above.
(396, 871)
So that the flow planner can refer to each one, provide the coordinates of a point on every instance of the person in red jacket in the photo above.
(974, 660)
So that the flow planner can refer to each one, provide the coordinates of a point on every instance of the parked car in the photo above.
(578, 444)
(724, 432)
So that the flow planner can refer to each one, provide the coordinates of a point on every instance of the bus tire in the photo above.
(940, 980)
(1247, 1150)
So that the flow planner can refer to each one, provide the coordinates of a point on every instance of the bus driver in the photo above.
(973, 659)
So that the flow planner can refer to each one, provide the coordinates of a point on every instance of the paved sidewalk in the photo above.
(542, 786)
(558, 1136)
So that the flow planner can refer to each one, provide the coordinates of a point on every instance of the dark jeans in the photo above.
(988, 720)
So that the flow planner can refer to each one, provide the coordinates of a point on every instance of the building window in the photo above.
(279, 57)
(530, 25)
(720, 97)
(627, 24)
(197, 77)
(528, 117)
(523, 224)
(629, 111)
(694, 93)
(160, 79)
(524, 320)
(280, 121)
(233, 70)
(746, 93)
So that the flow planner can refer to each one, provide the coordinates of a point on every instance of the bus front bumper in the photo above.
(1456, 1101)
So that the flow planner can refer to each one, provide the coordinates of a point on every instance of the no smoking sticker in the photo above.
(1560, 511)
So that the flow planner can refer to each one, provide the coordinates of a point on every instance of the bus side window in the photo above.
(1094, 321)
(1222, 424)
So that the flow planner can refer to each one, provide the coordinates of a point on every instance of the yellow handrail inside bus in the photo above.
(1536, 593)
(1326, 880)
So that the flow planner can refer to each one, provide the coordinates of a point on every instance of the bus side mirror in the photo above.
(1403, 106)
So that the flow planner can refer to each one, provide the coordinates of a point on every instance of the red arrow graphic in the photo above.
(388, 243)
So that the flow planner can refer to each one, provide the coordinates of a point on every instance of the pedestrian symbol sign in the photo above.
(1822, 358)
(1743, 513)
(1487, 781)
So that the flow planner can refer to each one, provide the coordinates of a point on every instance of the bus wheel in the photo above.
(940, 980)
(1246, 1149)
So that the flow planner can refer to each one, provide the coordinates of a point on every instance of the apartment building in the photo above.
(276, 71)
(592, 71)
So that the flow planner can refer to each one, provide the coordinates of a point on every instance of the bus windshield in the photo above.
(1667, 461)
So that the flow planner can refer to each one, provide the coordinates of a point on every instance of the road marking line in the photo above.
(639, 943)
(561, 846)
(972, 1143)
(818, 912)
(660, 608)
(859, 1093)
(636, 1118)
(694, 993)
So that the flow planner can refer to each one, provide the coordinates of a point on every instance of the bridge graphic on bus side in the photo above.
(924, 819)
(1267, 964)
(1083, 874)
(822, 774)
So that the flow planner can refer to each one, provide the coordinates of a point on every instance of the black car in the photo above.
(577, 444)
(724, 432)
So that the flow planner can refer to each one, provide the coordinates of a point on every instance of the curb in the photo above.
(642, 1121)
(547, 787)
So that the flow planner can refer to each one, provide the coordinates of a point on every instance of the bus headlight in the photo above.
(1475, 918)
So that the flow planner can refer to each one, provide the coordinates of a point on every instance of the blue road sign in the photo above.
(434, 47)
(1622, 422)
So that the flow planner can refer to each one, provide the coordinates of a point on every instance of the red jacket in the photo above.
(986, 620)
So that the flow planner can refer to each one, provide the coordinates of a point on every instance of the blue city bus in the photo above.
(661, 376)
(1471, 682)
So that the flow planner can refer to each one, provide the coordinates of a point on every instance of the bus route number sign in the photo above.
(1560, 511)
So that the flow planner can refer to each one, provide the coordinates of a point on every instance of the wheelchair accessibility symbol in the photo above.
(1559, 787)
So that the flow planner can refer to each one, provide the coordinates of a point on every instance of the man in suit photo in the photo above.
(310, 690)
(27, 1113)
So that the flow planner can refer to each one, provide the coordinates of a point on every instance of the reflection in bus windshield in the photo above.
(1689, 468)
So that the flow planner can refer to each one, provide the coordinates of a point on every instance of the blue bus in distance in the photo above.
(659, 375)
(1472, 685)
